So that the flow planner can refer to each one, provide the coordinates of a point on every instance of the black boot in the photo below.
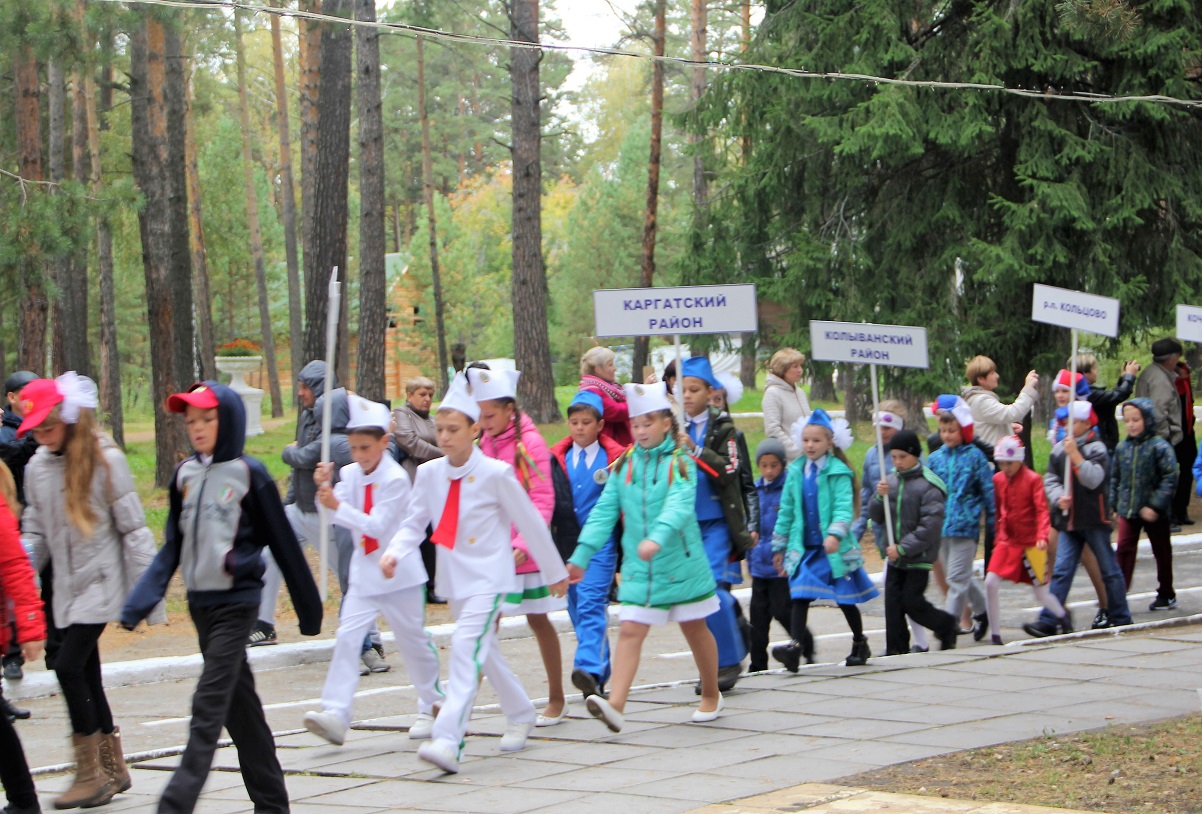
(980, 626)
(789, 655)
(947, 639)
(13, 713)
(807, 647)
(859, 653)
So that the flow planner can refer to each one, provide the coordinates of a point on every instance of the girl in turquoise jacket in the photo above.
(666, 576)
(812, 543)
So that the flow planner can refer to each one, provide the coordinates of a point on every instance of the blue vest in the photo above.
(708, 505)
(586, 486)
(809, 506)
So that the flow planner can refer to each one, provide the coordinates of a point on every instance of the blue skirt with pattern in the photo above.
(813, 580)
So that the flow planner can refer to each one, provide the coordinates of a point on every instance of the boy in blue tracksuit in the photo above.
(770, 598)
(579, 471)
(224, 508)
(965, 470)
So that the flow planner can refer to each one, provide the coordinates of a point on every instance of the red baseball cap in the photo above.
(38, 398)
(198, 395)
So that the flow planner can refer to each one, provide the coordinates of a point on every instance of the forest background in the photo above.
(154, 206)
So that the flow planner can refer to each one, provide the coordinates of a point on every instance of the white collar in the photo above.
(457, 472)
(205, 460)
(701, 418)
(590, 452)
(821, 463)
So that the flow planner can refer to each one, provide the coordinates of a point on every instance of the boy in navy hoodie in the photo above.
(224, 507)
(579, 471)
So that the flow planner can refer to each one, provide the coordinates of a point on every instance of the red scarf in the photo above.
(590, 382)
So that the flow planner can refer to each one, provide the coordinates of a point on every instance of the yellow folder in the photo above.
(1037, 564)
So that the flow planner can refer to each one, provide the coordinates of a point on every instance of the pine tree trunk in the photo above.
(206, 342)
(151, 136)
(175, 94)
(78, 354)
(329, 204)
(432, 220)
(252, 220)
(309, 65)
(373, 305)
(697, 39)
(55, 129)
(531, 343)
(31, 331)
(110, 358)
(647, 262)
(287, 203)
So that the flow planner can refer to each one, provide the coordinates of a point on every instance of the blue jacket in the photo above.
(969, 479)
(868, 481)
(221, 515)
(1145, 469)
(759, 561)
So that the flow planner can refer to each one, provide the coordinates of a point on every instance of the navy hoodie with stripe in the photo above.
(222, 513)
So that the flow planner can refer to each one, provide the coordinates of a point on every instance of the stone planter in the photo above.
(252, 398)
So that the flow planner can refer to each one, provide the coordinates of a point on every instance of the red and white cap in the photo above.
(1009, 449)
(1065, 380)
(198, 395)
(959, 409)
(1082, 411)
(40, 396)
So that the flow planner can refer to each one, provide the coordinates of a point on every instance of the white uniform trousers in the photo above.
(405, 612)
(475, 649)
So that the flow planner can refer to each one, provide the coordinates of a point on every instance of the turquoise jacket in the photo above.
(836, 508)
(653, 492)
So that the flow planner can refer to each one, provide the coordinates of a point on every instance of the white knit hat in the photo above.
(646, 398)
(489, 385)
(458, 398)
(1008, 449)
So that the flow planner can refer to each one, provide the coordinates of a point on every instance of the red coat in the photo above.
(1022, 508)
(17, 586)
(617, 412)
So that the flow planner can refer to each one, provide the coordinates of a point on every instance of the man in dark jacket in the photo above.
(1106, 402)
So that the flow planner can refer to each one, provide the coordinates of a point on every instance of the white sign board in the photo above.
(1189, 323)
(699, 309)
(865, 344)
(1075, 309)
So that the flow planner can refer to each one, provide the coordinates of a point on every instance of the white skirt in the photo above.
(677, 613)
(531, 596)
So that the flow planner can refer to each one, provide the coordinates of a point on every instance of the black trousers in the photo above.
(769, 600)
(225, 696)
(54, 638)
(14, 771)
(905, 595)
(1187, 452)
(77, 667)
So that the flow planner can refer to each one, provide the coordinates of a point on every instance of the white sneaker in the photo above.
(422, 727)
(440, 754)
(326, 725)
(514, 739)
(601, 708)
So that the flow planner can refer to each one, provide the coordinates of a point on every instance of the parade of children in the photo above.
(566, 532)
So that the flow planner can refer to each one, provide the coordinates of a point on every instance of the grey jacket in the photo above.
(92, 575)
(916, 504)
(304, 456)
(783, 404)
(415, 437)
(1160, 386)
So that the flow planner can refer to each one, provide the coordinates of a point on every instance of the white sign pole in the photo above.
(1072, 381)
(880, 452)
(679, 385)
(327, 415)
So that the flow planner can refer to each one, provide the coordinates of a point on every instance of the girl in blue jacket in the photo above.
(812, 542)
(666, 576)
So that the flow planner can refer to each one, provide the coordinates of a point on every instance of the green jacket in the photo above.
(653, 492)
(836, 510)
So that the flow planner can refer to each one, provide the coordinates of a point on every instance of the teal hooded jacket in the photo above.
(836, 509)
(653, 492)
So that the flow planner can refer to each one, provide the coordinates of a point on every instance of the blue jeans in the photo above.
(1068, 557)
(588, 607)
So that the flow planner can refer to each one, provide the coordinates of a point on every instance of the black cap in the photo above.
(1162, 349)
(907, 441)
(16, 382)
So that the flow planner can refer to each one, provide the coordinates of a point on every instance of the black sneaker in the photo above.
(1162, 604)
(980, 626)
(263, 634)
(586, 682)
(728, 676)
(947, 640)
(1066, 622)
(1038, 630)
(12, 670)
(788, 655)
(13, 713)
(1101, 621)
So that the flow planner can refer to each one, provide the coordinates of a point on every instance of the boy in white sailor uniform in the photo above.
(371, 498)
(472, 500)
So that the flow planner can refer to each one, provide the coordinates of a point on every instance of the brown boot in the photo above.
(92, 787)
(112, 761)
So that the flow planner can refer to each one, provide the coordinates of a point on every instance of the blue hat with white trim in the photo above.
(698, 367)
(589, 399)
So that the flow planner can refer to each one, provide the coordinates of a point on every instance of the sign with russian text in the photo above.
(862, 343)
(1189, 323)
(699, 309)
(1075, 309)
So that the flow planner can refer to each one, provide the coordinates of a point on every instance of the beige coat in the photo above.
(783, 405)
(92, 575)
(415, 436)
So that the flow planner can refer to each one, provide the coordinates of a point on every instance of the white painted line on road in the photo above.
(681, 654)
(1093, 602)
(307, 702)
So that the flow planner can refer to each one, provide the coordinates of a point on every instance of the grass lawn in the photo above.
(1149, 768)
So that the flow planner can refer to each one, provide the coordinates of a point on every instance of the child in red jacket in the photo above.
(1020, 548)
(18, 591)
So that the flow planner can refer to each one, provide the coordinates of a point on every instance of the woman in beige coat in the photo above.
(83, 513)
(784, 400)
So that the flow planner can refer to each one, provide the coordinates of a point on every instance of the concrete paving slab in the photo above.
(707, 787)
(855, 729)
(609, 803)
(1001, 681)
(790, 768)
(1150, 644)
(390, 794)
(597, 779)
(583, 753)
(502, 800)
(698, 759)
(678, 737)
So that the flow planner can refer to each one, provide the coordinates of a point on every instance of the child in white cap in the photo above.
(665, 574)
(471, 501)
(371, 499)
